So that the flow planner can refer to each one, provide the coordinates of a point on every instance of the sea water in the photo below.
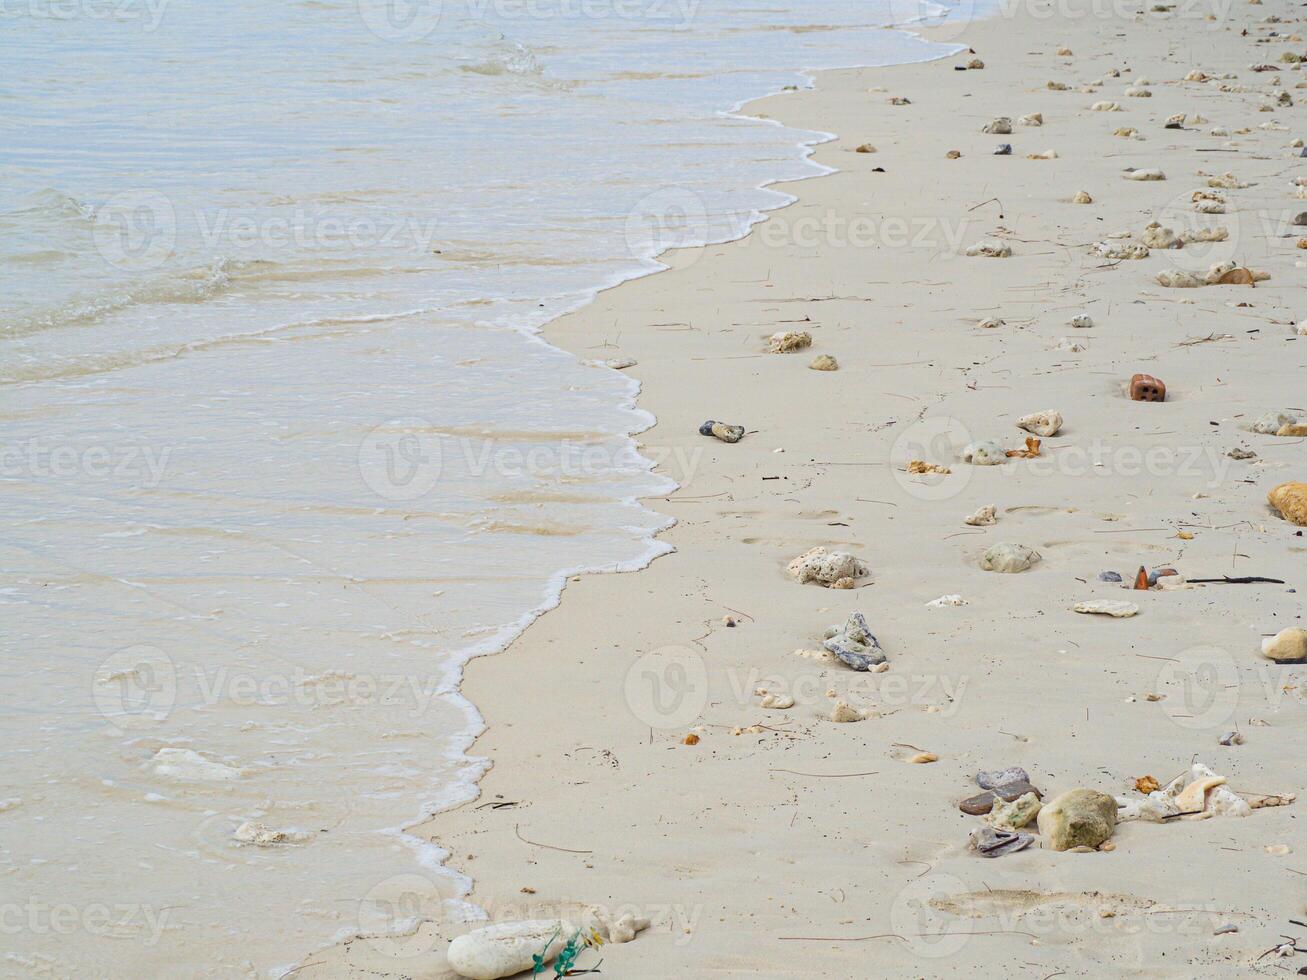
(280, 447)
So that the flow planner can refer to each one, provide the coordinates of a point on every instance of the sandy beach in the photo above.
(785, 844)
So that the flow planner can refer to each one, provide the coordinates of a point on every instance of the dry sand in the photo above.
(808, 848)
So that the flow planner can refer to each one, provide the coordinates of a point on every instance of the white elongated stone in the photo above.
(1145, 173)
(507, 948)
(1115, 608)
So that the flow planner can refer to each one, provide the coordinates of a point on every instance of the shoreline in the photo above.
(585, 764)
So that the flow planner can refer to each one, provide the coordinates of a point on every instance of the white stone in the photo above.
(1115, 608)
(1046, 423)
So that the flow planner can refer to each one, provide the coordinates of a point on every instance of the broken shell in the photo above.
(1033, 119)
(1082, 197)
(1009, 558)
(920, 466)
(1082, 321)
(953, 154)
(924, 758)
(1193, 797)
(865, 148)
(947, 600)
(1105, 107)
(1046, 155)
(975, 64)
(1175, 122)
(824, 362)
(691, 739)
(778, 701)
(998, 127)
(1289, 646)
(1147, 173)
(992, 322)
(990, 249)
(984, 516)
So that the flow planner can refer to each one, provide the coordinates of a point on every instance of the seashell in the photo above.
(1174, 122)
(984, 453)
(1107, 607)
(984, 516)
(1046, 155)
(1105, 107)
(998, 127)
(1289, 646)
(1082, 197)
(1271, 423)
(1146, 173)
(1033, 119)
(1193, 797)
(1046, 423)
(865, 148)
(1293, 429)
(992, 322)
(691, 739)
(777, 701)
(1082, 321)
(1064, 52)
(1008, 558)
(820, 565)
(1070, 346)
(786, 341)
(1197, 76)
(1126, 132)
(954, 154)
(924, 758)
(824, 362)
(990, 249)
(975, 64)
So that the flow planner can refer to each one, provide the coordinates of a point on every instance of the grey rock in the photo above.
(854, 644)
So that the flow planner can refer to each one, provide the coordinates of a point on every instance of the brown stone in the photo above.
(982, 803)
(1146, 388)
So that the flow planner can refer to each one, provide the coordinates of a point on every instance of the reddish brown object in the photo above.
(1141, 580)
(1146, 388)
